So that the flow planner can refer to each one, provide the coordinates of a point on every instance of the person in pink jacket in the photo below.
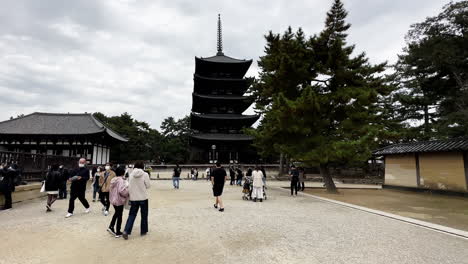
(118, 196)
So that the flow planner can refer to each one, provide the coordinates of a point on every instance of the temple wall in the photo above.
(443, 171)
(400, 170)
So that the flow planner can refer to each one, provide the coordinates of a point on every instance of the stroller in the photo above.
(247, 189)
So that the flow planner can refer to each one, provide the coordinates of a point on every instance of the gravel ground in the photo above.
(184, 228)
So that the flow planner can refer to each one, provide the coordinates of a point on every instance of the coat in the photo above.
(53, 181)
(80, 185)
(104, 182)
(257, 177)
(137, 184)
(118, 193)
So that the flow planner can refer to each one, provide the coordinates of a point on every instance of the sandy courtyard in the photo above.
(184, 228)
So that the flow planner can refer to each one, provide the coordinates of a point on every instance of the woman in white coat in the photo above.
(257, 190)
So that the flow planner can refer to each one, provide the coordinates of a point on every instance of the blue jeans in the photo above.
(175, 182)
(134, 206)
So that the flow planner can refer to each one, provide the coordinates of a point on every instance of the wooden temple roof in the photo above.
(57, 124)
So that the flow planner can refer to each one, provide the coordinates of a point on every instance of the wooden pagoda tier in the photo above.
(221, 123)
(221, 66)
(214, 104)
(207, 85)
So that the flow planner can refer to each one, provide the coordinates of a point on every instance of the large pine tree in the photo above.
(336, 117)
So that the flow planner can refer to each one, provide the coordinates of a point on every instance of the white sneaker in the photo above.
(106, 213)
(68, 215)
(87, 210)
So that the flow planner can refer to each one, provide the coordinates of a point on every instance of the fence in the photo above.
(34, 166)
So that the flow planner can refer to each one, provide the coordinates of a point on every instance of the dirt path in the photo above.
(184, 228)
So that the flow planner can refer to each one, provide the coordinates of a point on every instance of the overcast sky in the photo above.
(118, 56)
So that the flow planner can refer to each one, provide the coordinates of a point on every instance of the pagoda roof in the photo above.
(226, 116)
(57, 124)
(215, 79)
(222, 97)
(223, 59)
(222, 137)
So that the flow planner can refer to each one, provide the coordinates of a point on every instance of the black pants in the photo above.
(233, 180)
(81, 196)
(117, 217)
(104, 196)
(294, 186)
(63, 190)
(8, 200)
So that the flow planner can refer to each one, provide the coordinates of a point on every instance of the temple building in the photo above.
(70, 135)
(217, 110)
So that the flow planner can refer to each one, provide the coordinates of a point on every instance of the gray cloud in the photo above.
(132, 56)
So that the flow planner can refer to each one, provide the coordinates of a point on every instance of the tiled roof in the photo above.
(56, 124)
(223, 137)
(224, 59)
(456, 144)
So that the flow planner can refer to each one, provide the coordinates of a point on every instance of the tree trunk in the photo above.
(327, 179)
(426, 121)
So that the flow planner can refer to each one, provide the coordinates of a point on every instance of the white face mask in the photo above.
(81, 165)
(107, 167)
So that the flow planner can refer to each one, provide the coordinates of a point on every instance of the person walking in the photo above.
(294, 175)
(176, 176)
(301, 185)
(78, 187)
(218, 178)
(208, 172)
(52, 183)
(195, 174)
(104, 187)
(262, 169)
(64, 176)
(7, 183)
(257, 185)
(232, 174)
(95, 183)
(239, 176)
(138, 184)
(118, 195)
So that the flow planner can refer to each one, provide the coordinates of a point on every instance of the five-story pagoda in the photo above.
(218, 104)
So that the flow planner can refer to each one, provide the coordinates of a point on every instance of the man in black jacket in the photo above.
(7, 183)
(78, 187)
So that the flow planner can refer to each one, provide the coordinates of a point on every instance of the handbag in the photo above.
(43, 187)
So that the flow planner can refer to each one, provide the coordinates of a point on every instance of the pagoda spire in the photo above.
(220, 38)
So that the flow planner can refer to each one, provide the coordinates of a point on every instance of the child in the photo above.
(118, 197)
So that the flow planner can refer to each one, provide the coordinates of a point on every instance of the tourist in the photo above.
(138, 184)
(301, 185)
(176, 176)
(64, 175)
(52, 185)
(208, 172)
(257, 186)
(262, 169)
(118, 196)
(294, 175)
(95, 182)
(218, 178)
(8, 176)
(104, 186)
(240, 175)
(78, 187)
(232, 174)
(192, 174)
(195, 173)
